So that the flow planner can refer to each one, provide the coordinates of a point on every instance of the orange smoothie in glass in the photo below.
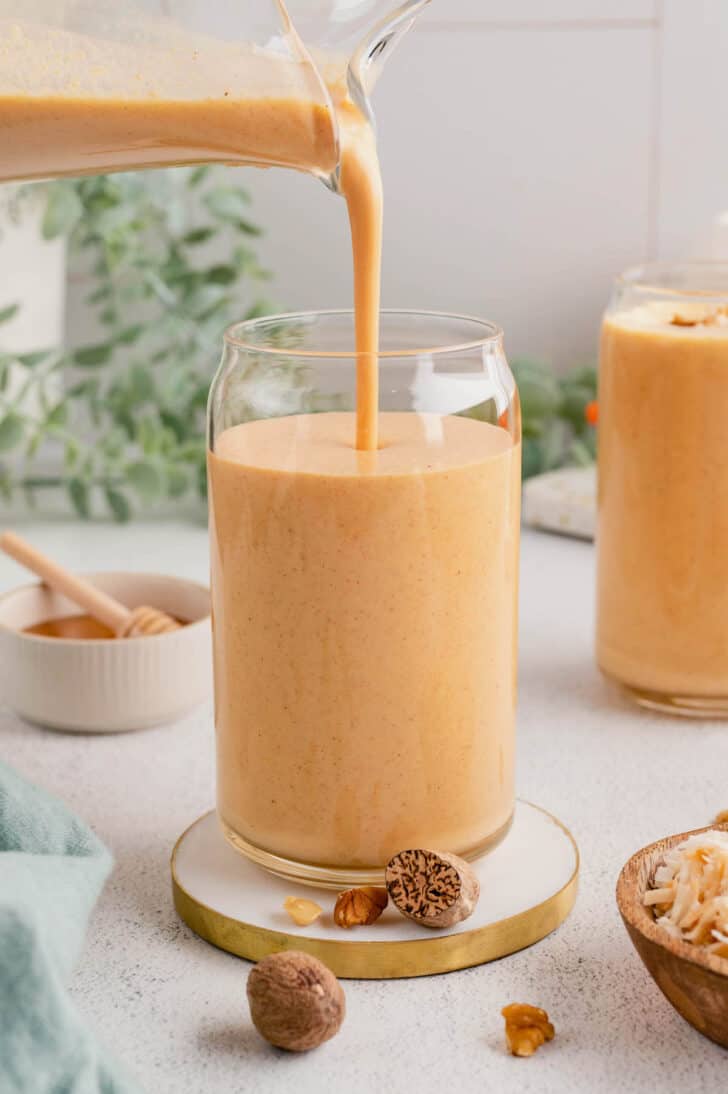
(663, 502)
(365, 631)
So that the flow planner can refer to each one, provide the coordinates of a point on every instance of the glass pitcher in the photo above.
(91, 86)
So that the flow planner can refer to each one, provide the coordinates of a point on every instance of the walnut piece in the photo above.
(360, 907)
(527, 1028)
(295, 1001)
(722, 817)
(433, 888)
(303, 912)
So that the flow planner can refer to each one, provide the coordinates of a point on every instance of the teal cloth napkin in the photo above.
(52, 869)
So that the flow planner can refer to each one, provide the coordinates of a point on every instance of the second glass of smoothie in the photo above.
(364, 602)
(662, 628)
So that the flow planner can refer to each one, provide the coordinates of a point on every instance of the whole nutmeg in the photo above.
(295, 1001)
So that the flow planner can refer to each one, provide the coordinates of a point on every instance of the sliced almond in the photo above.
(303, 912)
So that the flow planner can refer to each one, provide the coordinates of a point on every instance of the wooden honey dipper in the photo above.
(124, 622)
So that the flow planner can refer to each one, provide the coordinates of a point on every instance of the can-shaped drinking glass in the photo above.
(364, 602)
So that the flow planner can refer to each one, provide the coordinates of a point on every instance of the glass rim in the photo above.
(493, 334)
(651, 278)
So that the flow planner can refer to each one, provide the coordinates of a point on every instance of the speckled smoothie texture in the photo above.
(663, 504)
(155, 95)
(364, 630)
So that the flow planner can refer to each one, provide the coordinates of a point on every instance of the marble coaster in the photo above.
(528, 887)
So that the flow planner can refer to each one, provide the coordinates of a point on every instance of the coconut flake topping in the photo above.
(689, 891)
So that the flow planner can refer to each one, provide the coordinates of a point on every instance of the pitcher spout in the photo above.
(368, 58)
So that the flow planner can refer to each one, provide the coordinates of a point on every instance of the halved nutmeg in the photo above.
(434, 888)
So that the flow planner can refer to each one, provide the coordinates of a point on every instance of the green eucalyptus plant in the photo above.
(126, 422)
(558, 414)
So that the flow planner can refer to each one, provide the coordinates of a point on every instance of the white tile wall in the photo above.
(693, 149)
(519, 12)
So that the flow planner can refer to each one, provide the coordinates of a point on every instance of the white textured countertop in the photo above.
(173, 1008)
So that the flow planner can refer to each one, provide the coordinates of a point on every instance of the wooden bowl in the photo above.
(694, 981)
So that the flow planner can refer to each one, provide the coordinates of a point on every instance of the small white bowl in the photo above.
(106, 685)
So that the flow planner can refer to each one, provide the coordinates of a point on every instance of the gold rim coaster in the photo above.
(528, 887)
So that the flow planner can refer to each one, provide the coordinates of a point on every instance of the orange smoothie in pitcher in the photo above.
(72, 103)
